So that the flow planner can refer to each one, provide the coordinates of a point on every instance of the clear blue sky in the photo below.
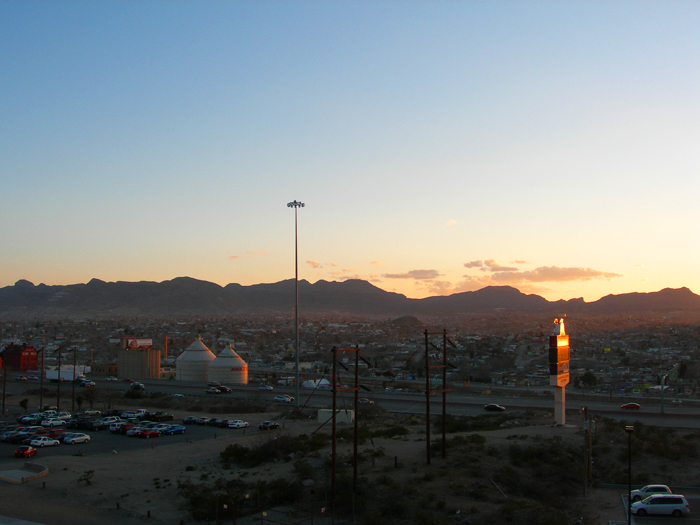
(438, 146)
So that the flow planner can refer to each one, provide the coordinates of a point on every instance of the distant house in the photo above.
(19, 357)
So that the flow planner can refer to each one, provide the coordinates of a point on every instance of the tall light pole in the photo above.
(296, 204)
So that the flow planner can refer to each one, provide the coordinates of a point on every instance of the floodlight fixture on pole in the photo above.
(296, 204)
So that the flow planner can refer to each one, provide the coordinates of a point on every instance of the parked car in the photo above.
(91, 412)
(53, 422)
(268, 425)
(665, 504)
(66, 435)
(494, 408)
(631, 406)
(25, 451)
(77, 438)
(44, 441)
(174, 429)
(148, 433)
(134, 431)
(190, 420)
(649, 490)
(237, 423)
(203, 420)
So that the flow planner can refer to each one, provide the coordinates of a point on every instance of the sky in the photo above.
(438, 147)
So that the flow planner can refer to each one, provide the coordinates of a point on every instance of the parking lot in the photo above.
(105, 442)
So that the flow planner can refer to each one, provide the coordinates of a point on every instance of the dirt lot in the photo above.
(138, 486)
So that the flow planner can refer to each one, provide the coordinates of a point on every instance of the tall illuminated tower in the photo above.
(559, 357)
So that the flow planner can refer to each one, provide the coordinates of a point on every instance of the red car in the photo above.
(148, 433)
(25, 451)
(631, 406)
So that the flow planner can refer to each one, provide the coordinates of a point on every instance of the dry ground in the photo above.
(128, 486)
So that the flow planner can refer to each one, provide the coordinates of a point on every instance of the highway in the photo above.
(461, 401)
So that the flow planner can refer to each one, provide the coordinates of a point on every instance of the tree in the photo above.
(589, 379)
(24, 404)
(79, 401)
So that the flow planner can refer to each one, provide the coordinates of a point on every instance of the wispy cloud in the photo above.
(377, 263)
(490, 265)
(248, 255)
(517, 261)
(450, 222)
(553, 274)
(414, 274)
(473, 264)
(314, 264)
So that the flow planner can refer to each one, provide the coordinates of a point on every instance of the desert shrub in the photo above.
(391, 431)
(303, 469)
(270, 450)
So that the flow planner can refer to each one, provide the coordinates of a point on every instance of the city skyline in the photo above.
(438, 147)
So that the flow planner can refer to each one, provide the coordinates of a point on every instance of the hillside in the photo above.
(187, 296)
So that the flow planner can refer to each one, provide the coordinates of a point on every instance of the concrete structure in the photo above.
(559, 357)
(193, 363)
(228, 367)
(138, 363)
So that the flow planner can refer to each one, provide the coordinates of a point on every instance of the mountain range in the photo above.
(192, 297)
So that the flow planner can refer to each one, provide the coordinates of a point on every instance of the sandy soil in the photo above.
(138, 486)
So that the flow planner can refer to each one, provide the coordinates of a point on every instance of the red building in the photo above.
(19, 357)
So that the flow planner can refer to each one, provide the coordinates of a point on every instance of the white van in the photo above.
(665, 504)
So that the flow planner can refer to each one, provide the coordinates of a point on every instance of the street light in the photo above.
(629, 430)
(296, 204)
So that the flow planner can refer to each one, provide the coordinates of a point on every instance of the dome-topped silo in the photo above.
(228, 367)
(193, 364)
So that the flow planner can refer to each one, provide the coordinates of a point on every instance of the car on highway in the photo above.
(213, 390)
(75, 439)
(25, 451)
(494, 408)
(213, 383)
(365, 401)
(649, 490)
(110, 378)
(174, 429)
(223, 389)
(237, 423)
(127, 380)
(631, 406)
(265, 387)
(44, 441)
(268, 425)
(284, 398)
(662, 504)
(178, 395)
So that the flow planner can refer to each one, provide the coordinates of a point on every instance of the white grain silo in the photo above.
(228, 367)
(193, 363)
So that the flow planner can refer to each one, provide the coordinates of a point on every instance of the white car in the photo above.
(53, 422)
(238, 424)
(284, 398)
(645, 492)
(77, 438)
(265, 387)
(665, 504)
(44, 441)
(110, 378)
(63, 415)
